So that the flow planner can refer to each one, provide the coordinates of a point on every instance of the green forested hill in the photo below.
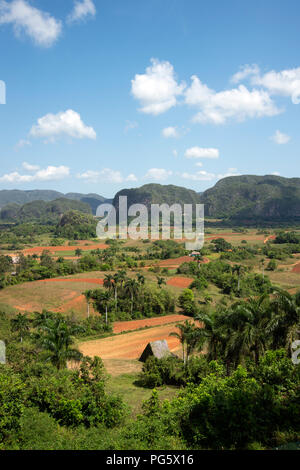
(42, 211)
(15, 196)
(158, 194)
(250, 198)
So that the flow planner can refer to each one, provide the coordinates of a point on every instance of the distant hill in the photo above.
(254, 198)
(158, 194)
(22, 197)
(42, 211)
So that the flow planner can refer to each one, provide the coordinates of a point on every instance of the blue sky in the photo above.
(102, 95)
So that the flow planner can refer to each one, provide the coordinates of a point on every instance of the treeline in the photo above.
(126, 298)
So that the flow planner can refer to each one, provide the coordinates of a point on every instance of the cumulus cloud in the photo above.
(198, 152)
(29, 167)
(157, 89)
(284, 83)
(280, 138)
(40, 26)
(158, 174)
(82, 9)
(237, 103)
(67, 123)
(175, 153)
(168, 132)
(203, 175)
(107, 175)
(245, 72)
(47, 174)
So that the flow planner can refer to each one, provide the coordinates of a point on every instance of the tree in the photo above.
(20, 324)
(57, 340)
(284, 324)
(78, 252)
(88, 297)
(239, 269)
(190, 337)
(132, 287)
(161, 281)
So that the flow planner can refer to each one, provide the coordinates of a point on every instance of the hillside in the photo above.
(251, 198)
(23, 197)
(158, 194)
(42, 211)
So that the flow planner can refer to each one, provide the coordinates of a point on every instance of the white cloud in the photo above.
(284, 83)
(66, 123)
(238, 103)
(22, 143)
(157, 89)
(230, 172)
(203, 175)
(276, 173)
(130, 125)
(29, 167)
(107, 175)
(158, 174)
(175, 153)
(199, 176)
(168, 132)
(131, 177)
(81, 10)
(40, 26)
(200, 164)
(48, 174)
(280, 138)
(198, 152)
(245, 72)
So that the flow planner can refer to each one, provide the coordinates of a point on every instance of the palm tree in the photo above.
(141, 279)
(20, 324)
(161, 281)
(213, 338)
(189, 336)
(57, 341)
(110, 284)
(132, 287)
(238, 268)
(262, 262)
(119, 279)
(247, 329)
(88, 296)
(284, 324)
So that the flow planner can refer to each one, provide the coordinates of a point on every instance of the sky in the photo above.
(100, 95)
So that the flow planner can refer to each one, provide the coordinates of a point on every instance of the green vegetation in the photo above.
(253, 199)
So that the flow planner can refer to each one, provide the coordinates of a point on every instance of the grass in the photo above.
(124, 386)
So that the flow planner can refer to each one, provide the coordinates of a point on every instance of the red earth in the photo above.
(296, 268)
(121, 326)
(182, 282)
(37, 250)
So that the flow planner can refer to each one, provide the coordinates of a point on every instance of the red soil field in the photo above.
(75, 303)
(296, 268)
(130, 345)
(53, 249)
(182, 282)
(271, 237)
(121, 326)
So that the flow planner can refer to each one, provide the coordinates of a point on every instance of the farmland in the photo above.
(117, 297)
